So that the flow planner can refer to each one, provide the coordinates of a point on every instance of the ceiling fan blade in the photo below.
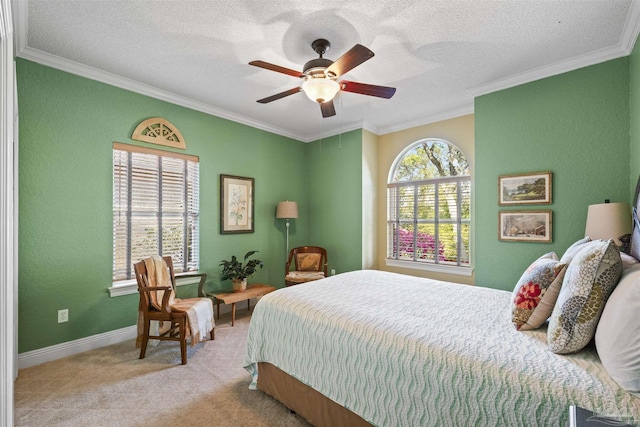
(277, 68)
(354, 57)
(328, 109)
(366, 89)
(279, 95)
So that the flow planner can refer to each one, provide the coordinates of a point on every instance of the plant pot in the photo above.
(239, 285)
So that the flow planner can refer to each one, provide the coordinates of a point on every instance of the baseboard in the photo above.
(69, 348)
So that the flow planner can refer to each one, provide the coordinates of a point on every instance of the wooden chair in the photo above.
(162, 310)
(305, 264)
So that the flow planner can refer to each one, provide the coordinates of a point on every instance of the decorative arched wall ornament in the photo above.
(159, 131)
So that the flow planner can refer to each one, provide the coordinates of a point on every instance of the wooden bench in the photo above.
(252, 291)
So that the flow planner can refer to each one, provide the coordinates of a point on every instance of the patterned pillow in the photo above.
(308, 262)
(590, 279)
(536, 292)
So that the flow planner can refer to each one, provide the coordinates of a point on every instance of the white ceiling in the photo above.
(439, 54)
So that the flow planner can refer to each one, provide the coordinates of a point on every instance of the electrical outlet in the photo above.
(63, 315)
(333, 272)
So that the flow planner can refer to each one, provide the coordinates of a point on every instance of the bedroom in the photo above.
(582, 125)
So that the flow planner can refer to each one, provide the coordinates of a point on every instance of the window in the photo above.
(429, 206)
(155, 208)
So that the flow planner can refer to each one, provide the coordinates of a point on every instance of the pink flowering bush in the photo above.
(425, 246)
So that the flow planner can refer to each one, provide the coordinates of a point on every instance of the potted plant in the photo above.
(238, 271)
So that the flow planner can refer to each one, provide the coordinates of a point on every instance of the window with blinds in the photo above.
(155, 208)
(429, 205)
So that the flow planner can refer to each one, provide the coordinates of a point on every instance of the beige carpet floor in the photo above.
(110, 386)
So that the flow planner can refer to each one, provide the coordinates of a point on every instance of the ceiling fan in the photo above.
(320, 77)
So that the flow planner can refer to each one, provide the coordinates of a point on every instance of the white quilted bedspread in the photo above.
(405, 351)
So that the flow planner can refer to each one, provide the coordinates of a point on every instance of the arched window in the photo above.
(429, 206)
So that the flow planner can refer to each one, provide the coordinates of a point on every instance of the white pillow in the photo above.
(573, 250)
(618, 332)
(627, 261)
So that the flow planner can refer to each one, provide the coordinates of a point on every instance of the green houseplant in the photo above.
(238, 271)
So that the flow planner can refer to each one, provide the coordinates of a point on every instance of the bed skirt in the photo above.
(313, 406)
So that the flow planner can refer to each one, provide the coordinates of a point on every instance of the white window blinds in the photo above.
(155, 208)
(428, 221)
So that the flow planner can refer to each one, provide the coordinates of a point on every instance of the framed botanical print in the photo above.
(237, 195)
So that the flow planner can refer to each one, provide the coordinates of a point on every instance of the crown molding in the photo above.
(572, 64)
(462, 110)
(348, 127)
(153, 92)
(20, 8)
(623, 48)
(631, 28)
(144, 89)
(23, 51)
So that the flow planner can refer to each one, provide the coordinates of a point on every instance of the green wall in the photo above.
(334, 170)
(67, 127)
(575, 125)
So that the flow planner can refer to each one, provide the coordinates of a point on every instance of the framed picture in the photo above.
(525, 189)
(236, 204)
(524, 226)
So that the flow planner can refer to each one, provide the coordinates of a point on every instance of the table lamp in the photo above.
(609, 221)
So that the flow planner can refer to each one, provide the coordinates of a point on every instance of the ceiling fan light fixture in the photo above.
(320, 77)
(320, 89)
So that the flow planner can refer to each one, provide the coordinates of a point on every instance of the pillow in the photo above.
(588, 282)
(536, 292)
(308, 262)
(634, 246)
(618, 332)
(627, 261)
(573, 250)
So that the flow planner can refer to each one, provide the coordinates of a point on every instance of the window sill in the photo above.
(128, 287)
(426, 266)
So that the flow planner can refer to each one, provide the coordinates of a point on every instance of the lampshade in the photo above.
(287, 210)
(608, 221)
(320, 89)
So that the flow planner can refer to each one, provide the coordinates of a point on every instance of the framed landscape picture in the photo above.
(524, 226)
(236, 204)
(521, 189)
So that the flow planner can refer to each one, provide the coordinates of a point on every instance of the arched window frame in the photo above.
(393, 259)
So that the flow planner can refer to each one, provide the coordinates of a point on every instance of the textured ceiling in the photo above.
(438, 54)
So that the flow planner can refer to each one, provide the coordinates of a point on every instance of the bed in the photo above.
(380, 348)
